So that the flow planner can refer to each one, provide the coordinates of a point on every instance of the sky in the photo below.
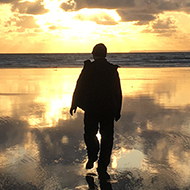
(75, 26)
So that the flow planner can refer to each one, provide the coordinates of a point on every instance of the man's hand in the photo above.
(117, 117)
(87, 61)
(73, 109)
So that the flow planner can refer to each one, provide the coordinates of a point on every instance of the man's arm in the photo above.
(118, 97)
(78, 92)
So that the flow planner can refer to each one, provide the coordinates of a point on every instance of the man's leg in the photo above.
(92, 143)
(107, 132)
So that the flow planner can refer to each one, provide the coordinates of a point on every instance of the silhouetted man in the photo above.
(98, 93)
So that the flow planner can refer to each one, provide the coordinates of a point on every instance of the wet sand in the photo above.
(41, 145)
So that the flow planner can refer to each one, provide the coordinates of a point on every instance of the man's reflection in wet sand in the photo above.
(104, 181)
(126, 180)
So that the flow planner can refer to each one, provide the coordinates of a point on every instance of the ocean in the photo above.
(64, 60)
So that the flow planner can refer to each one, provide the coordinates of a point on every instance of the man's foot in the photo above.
(89, 164)
(103, 175)
(91, 183)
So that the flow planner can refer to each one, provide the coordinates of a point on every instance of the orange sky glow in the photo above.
(75, 26)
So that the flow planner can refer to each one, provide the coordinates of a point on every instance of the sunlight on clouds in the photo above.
(52, 5)
(182, 19)
(5, 11)
(45, 26)
(73, 25)
(90, 13)
(55, 17)
(52, 17)
(79, 24)
(27, 1)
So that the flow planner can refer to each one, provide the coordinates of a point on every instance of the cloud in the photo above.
(186, 8)
(68, 6)
(53, 27)
(141, 11)
(104, 4)
(26, 7)
(164, 24)
(163, 27)
(27, 22)
(99, 18)
(8, 1)
(23, 22)
(140, 17)
(146, 10)
(35, 8)
(169, 6)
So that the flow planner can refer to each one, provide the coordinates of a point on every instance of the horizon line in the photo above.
(132, 51)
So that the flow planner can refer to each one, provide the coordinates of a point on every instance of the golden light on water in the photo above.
(123, 158)
(65, 140)
(151, 136)
(165, 85)
(48, 93)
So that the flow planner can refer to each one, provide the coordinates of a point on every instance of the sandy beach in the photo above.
(42, 147)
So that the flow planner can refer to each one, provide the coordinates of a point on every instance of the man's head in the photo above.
(99, 51)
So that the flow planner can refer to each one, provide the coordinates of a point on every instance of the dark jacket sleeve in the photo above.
(117, 96)
(78, 99)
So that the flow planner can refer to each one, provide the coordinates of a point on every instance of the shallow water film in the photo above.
(42, 147)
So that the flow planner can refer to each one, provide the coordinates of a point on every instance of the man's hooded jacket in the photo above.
(98, 88)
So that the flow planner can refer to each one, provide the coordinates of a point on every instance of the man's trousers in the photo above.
(93, 122)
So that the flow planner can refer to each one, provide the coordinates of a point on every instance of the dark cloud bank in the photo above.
(33, 8)
(131, 10)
